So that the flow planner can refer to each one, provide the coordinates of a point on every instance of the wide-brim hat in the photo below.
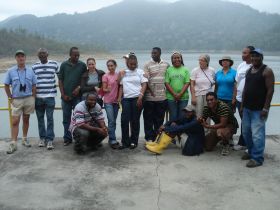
(226, 58)
(189, 108)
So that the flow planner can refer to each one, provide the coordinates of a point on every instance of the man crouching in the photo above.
(87, 125)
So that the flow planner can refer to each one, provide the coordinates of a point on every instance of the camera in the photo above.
(22, 88)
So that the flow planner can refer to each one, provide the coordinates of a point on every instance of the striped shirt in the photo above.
(81, 115)
(222, 110)
(156, 75)
(45, 73)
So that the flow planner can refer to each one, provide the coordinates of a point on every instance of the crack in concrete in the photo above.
(159, 181)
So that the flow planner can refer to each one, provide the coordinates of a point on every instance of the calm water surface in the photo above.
(190, 60)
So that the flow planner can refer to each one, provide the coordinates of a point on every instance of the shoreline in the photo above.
(8, 61)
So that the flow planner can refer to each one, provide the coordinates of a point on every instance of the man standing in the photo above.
(155, 103)
(23, 82)
(257, 96)
(87, 124)
(69, 84)
(45, 70)
(242, 70)
(225, 123)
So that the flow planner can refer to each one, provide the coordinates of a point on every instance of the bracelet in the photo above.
(265, 110)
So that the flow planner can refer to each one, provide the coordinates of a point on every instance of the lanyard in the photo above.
(24, 76)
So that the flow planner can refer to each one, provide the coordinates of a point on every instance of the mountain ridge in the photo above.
(183, 25)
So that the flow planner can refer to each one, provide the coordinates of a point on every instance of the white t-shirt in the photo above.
(240, 79)
(131, 83)
(204, 80)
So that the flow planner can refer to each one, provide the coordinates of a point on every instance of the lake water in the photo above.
(190, 60)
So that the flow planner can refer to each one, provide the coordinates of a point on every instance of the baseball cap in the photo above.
(127, 55)
(189, 108)
(19, 52)
(257, 51)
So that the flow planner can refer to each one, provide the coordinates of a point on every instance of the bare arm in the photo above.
(269, 83)
(61, 88)
(184, 89)
(142, 92)
(8, 91)
(169, 88)
(222, 124)
(34, 90)
(193, 92)
(120, 95)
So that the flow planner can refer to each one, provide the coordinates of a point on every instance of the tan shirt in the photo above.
(156, 74)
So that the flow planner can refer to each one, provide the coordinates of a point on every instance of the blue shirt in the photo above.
(225, 84)
(15, 77)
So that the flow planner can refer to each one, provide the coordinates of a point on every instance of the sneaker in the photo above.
(225, 150)
(50, 145)
(132, 146)
(231, 143)
(41, 143)
(252, 164)
(245, 156)
(12, 148)
(26, 143)
(67, 142)
(239, 147)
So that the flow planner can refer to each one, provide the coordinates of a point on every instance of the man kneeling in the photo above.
(225, 123)
(87, 125)
(189, 125)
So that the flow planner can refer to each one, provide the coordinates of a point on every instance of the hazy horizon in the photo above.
(41, 8)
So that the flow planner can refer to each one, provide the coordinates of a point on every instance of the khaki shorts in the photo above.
(24, 105)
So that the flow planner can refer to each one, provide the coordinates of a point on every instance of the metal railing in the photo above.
(9, 108)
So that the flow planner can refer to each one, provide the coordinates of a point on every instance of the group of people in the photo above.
(157, 89)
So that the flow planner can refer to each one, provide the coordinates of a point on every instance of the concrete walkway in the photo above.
(34, 178)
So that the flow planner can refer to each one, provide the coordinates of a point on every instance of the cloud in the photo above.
(44, 8)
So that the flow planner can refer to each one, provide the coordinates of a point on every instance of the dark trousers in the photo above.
(67, 107)
(130, 115)
(86, 139)
(153, 114)
(241, 140)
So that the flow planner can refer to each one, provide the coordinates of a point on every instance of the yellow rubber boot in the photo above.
(163, 142)
(153, 143)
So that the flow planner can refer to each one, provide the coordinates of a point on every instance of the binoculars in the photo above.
(22, 88)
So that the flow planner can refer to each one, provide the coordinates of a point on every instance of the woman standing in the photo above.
(202, 82)
(177, 80)
(225, 86)
(110, 88)
(91, 81)
(132, 88)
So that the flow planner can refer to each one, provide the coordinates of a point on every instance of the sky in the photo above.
(50, 7)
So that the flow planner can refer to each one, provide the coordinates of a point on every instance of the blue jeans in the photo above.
(153, 114)
(42, 106)
(112, 114)
(67, 107)
(130, 115)
(175, 108)
(253, 128)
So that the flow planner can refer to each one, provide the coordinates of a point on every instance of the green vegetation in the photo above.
(140, 25)
(12, 40)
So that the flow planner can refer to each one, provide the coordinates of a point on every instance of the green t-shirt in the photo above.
(71, 75)
(177, 78)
